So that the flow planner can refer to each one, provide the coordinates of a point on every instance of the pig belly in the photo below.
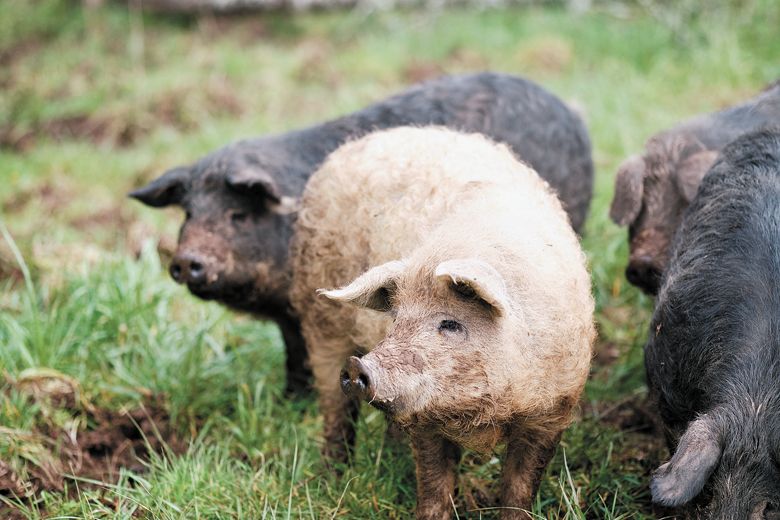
(482, 439)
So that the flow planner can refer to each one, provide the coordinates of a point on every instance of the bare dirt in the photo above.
(97, 448)
(125, 126)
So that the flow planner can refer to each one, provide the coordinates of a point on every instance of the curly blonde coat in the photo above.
(427, 196)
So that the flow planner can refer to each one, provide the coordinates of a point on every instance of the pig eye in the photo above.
(238, 216)
(187, 215)
(450, 326)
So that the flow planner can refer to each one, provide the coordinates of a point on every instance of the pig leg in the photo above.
(527, 454)
(338, 412)
(298, 372)
(436, 461)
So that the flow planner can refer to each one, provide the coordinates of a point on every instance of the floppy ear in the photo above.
(683, 477)
(165, 190)
(373, 289)
(691, 171)
(254, 181)
(478, 279)
(629, 184)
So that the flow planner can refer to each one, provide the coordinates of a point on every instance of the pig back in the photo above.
(411, 193)
(378, 198)
(716, 314)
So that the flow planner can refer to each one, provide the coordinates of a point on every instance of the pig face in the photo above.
(233, 243)
(651, 194)
(723, 468)
(435, 359)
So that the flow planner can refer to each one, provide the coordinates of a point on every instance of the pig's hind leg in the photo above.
(527, 454)
(436, 460)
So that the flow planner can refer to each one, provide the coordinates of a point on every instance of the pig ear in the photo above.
(475, 278)
(629, 184)
(373, 289)
(683, 477)
(691, 171)
(254, 181)
(165, 190)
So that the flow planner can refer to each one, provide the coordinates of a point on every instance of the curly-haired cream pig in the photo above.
(474, 305)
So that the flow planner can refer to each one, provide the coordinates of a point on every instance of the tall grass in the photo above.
(93, 307)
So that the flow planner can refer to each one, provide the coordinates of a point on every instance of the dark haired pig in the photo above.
(477, 309)
(240, 201)
(653, 190)
(713, 357)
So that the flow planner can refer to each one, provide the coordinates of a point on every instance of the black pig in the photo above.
(713, 357)
(653, 190)
(240, 201)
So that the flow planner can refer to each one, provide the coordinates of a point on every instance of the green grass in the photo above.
(95, 102)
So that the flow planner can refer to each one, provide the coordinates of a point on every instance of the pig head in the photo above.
(441, 361)
(651, 194)
(724, 466)
(239, 204)
(234, 240)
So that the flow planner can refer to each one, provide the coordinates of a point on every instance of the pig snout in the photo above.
(644, 272)
(189, 268)
(356, 381)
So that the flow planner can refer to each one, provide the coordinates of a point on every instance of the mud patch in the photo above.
(632, 414)
(8, 268)
(124, 125)
(47, 197)
(547, 54)
(605, 353)
(417, 71)
(72, 439)
(459, 59)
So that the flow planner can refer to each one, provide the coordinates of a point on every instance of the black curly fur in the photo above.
(714, 345)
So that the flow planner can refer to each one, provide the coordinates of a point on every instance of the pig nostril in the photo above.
(363, 382)
(345, 381)
(196, 270)
(175, 272)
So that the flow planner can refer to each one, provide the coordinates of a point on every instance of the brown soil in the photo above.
(18, 50)
(48, 198)
(104, 442)
(8, 269)
(180, 109)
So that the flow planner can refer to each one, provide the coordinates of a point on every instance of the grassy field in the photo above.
(103, 359)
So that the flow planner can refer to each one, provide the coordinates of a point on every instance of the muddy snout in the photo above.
(188, 267)
(356, 381)
(644, 272)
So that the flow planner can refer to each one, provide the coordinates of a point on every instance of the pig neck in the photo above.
(306, 149)
(315, 143)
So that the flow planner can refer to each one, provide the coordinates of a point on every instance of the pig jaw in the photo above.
(744, 485)
(434, 391)
(399, 384)
(214, 266)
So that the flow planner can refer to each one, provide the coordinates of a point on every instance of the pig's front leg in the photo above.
(298, 372)
(338, 412)
(527, 454)
(436, 461)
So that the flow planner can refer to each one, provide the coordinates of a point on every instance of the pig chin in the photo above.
(238, 294)
(400, 394)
